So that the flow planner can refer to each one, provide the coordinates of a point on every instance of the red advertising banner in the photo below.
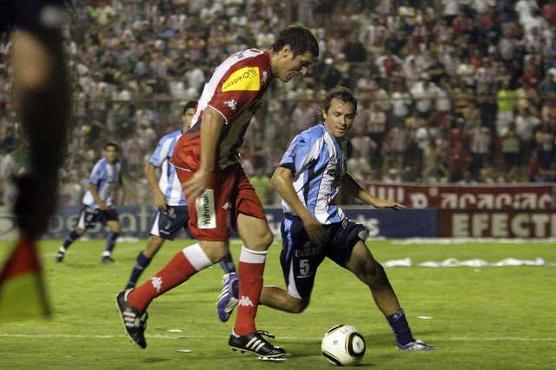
(496, 224)
(522, 196)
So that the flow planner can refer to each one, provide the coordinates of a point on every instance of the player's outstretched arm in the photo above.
(282, 179)
(353, 188)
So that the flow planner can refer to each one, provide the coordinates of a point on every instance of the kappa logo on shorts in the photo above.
(206, 216)
(244, 79)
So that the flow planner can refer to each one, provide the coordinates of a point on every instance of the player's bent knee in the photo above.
(268, 238)
(262, 241)
(153, 245)
(215, 251)
(220, 254)
(373, 274)
(296, 305)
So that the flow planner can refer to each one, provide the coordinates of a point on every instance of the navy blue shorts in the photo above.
(300, 259)
(168, 223)
(33, 15)
(88, 217)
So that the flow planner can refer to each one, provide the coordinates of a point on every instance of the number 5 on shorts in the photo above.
(304, 268)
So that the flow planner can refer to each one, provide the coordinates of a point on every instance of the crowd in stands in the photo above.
(458, 91)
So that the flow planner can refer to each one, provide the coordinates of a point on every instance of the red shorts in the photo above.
(217, 209)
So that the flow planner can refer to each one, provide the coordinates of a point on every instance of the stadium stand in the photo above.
(452, 91)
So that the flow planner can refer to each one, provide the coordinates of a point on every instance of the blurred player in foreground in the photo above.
(309, 178)
(219, 192)
(168, 195)
(105, 190)
(43, 100)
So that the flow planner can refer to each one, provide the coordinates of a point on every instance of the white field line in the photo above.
(407, 263)
(293, 339)
(410, 241)
(454, 240)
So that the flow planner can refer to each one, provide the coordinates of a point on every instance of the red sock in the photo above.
(181, 267)
(251, 268)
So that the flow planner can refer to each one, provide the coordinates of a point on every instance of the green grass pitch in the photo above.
(487, 318)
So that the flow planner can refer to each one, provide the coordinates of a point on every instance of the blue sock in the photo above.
(227, 264)
(400, 327)
(73, 236)
(110, 243)
(140, 265)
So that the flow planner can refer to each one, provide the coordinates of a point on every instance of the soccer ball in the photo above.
(343, 345)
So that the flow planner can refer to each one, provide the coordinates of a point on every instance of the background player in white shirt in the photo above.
(168, 196)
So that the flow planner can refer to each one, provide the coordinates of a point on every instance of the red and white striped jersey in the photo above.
(236, 90)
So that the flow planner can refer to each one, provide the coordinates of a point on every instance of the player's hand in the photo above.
(385, 203)
(316, 232)
(160, 201)
(196, 185)
(102, 206)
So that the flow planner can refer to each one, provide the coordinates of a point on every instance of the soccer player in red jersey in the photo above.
(207, 163)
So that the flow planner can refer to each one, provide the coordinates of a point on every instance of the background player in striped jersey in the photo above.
(219, 192)
(309, 178)
(105, 190)
(168, 195)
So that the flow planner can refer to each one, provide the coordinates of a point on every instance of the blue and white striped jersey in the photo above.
(106, 176)
(318, 163)
(169, 183)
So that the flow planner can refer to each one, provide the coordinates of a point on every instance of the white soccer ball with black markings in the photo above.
(343, 345)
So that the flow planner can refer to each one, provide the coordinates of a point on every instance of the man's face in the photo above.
(111, 153)
(188, 116)
(339, 118)
(290, 66)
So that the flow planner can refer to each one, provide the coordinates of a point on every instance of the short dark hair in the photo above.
(190, 104)
(299, 38)
(341, 93)
(111, 144)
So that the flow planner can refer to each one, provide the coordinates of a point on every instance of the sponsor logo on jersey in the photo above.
(244, 79)
(156, 281)
(245, 301)
(206, 217)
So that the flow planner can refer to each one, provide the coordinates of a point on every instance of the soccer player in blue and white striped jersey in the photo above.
(309, 179)
(172, 214)
(105, 187)
(168, 195)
